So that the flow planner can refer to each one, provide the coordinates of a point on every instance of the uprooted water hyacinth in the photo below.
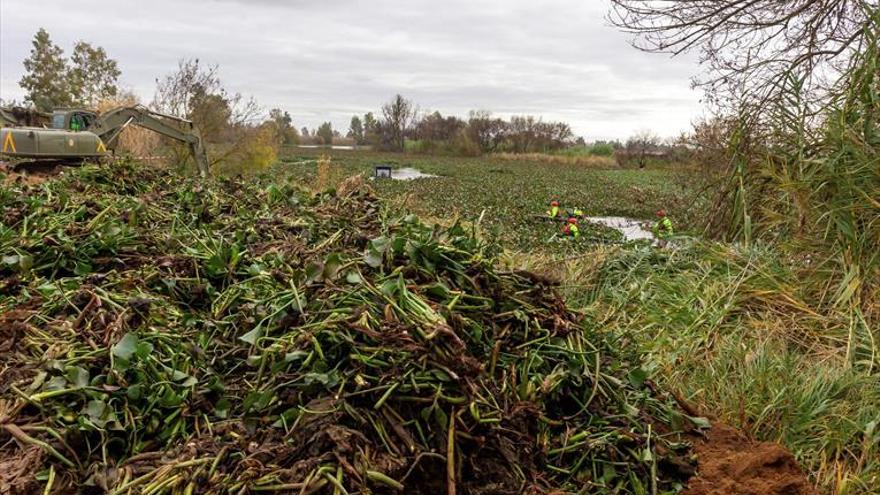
(165, 336)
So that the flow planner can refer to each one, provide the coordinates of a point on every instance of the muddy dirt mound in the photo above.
(730, 464)
(29, 173)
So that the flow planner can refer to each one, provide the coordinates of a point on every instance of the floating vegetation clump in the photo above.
(164, 336)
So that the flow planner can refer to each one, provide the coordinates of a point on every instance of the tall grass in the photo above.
(595, 149)
(732, 329)
(812, 185)
(576, 160)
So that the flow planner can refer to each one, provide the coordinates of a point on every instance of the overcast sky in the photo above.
(329, 59)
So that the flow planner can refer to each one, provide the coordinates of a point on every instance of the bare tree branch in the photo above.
(750, 46)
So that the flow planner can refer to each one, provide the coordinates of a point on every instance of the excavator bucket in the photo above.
(201, 157)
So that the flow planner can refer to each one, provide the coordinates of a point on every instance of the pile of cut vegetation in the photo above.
(159, 335)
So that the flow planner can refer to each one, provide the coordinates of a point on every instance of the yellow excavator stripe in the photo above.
(101, 147)
(9, 142)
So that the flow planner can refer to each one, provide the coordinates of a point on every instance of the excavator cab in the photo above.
(73, 120)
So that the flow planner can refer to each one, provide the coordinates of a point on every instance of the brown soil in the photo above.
(731, 464)
(29, 173)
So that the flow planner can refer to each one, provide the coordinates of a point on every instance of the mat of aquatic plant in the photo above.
(163, 335)
(509, 196)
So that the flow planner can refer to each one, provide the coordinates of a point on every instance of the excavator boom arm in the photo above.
(110, 124)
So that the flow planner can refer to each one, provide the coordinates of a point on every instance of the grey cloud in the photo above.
(326, 60)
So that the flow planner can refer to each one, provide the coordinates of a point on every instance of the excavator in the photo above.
(75, 135)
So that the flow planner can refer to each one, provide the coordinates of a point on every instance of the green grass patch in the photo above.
(732, 329)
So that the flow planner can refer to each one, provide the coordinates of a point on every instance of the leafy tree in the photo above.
(92, 75)
(304, 132)
(195, 92)
(526, 134)
(399, 116)
(51, 80)
(356, 130)
(602, 148)
(284, 126)
(486, 132)
(436, 127)
(45, 78)
(371, 129)
(325, 133)
(640, 145)
(212, 114)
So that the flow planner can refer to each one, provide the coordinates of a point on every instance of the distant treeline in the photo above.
(400, 126)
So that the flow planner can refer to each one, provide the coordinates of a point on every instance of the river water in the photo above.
(333, 147)
(409, 173)
(631, 228)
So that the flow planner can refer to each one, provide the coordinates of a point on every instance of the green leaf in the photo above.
(314, 272)
(98, 413)
(143, 350)
(170, 398)
(77, 376)
(441, 418)
(48, 290)
(331, 266)
(255, 269)
(257, 400)
(216, 265)
(252, 336)
(189, 382)
(608, 473)
(25, 263)
(295, 356)
(354, 278)
(325, 379)
(373, 258)
(287, 417)
(56, 383)
(179, 376)
(126, 347)
(391, 287)
(222, 408)
(82, 268)
(637, 377)
(95, 409)
(426, 413)
(380, 244)
(700, 422)
(135, 392)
